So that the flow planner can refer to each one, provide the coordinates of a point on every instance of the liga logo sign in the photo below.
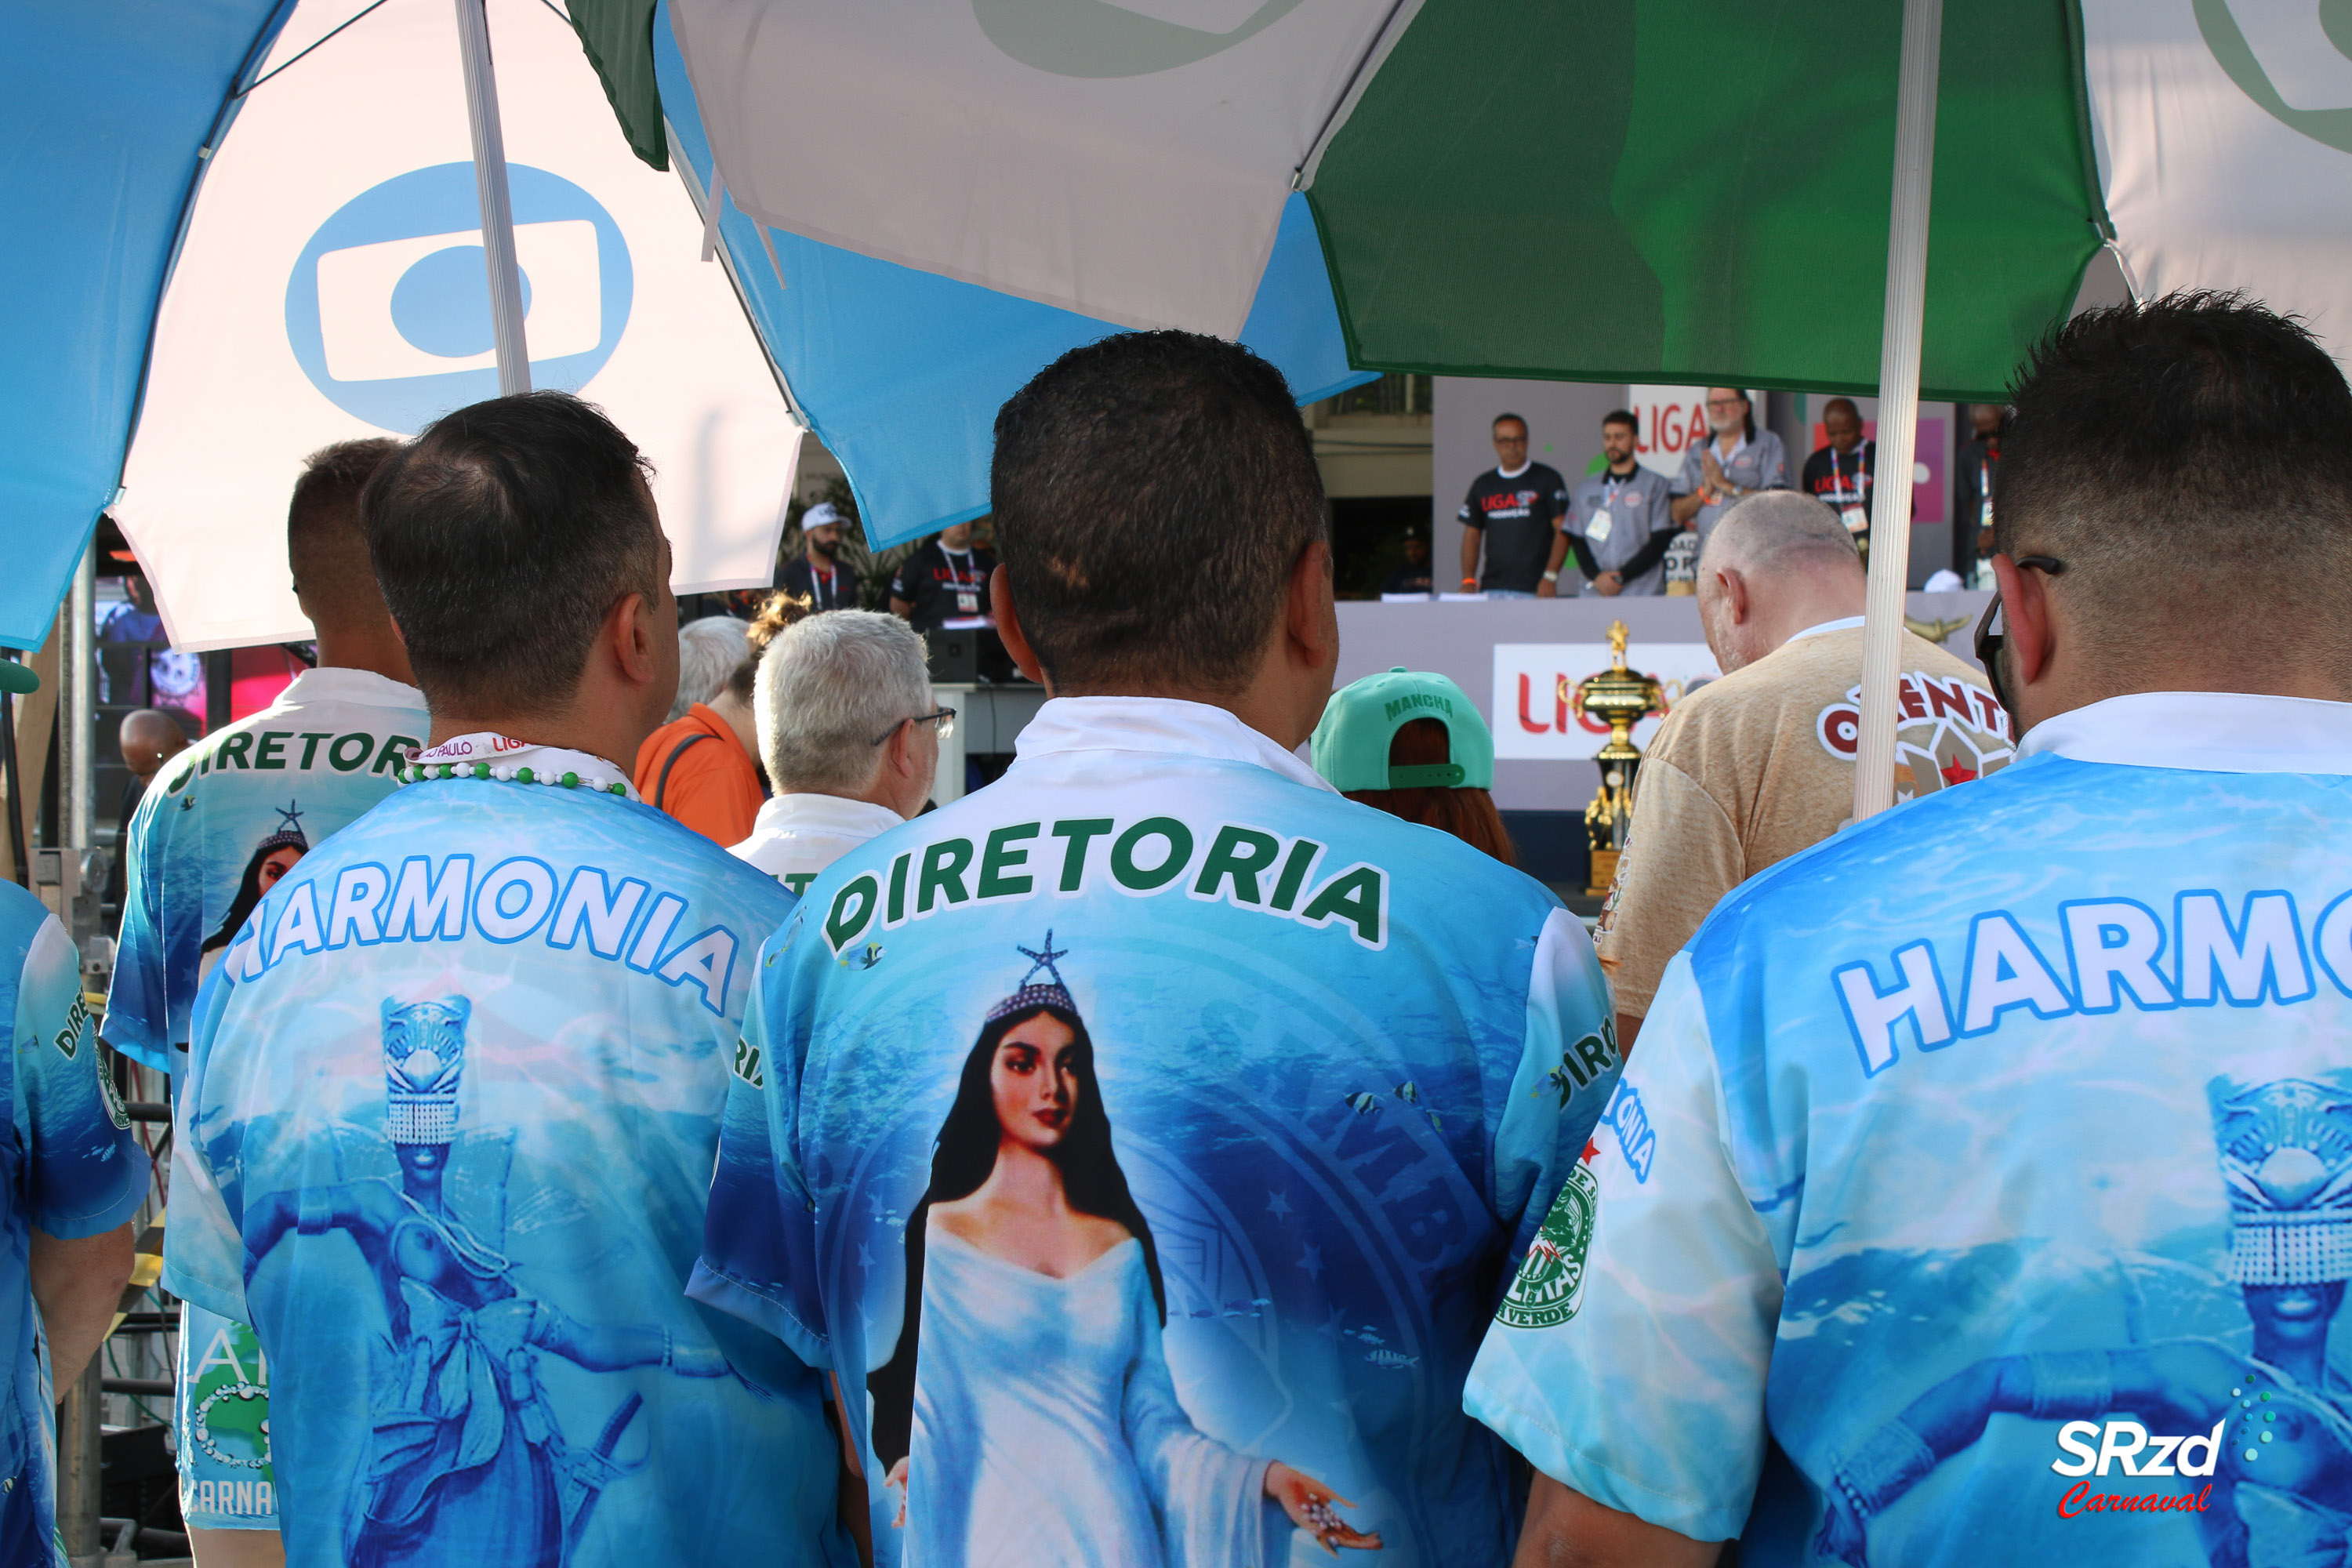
(1535, 712)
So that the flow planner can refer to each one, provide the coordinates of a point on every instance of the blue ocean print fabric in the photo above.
(1143, 1142)
(68, 1166)
(225, 820)
(451, 1110)
(1999, 1152)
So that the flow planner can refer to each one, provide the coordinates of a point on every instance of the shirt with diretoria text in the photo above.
(1993, 1161)
(68, 1167)
(1519, 515)
(225, 819)
(451, 1106)
(1305, 1078)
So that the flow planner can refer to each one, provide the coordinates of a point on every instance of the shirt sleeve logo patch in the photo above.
(1549, 1286)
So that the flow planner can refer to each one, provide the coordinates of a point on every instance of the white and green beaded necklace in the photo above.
(490, 755)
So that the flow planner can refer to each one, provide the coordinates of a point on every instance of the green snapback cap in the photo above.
(1351, 742)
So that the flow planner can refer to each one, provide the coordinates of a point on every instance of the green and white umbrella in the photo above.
(1804, 193)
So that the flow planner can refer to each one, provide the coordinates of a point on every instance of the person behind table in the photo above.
(1839, 475)
(1750, 769)
(1184, 933)
(1514, 511)
(1737, 460)
(71, 1177)
(230, 816)
(2028, 1100)
(817, 574)
(1411, 574)
(850, 735)
(452, 1098)
(703, 766)
(1412, 744)
(1619, 522)
(946, 580)
(1974, 470)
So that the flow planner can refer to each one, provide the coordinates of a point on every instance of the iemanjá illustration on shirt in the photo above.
(466, 1445)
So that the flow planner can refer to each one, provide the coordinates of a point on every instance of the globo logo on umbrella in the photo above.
(388, 310)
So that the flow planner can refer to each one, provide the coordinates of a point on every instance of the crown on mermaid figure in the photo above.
(2286, 1156)
(1029, 997)
(423, 1056)
(289, 833)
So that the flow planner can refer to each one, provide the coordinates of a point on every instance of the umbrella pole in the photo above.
(490, 187)
(1898, 403)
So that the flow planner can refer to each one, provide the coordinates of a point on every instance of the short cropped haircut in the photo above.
(1780, 530)
(1834, 404)
(1497, 423)
(1625, 417)
(325, 545)
(503, 536)
(2190, 460)
(827, 686)
(709, 651)
(1153, 493)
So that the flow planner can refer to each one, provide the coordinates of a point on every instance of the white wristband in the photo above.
(1551, 577)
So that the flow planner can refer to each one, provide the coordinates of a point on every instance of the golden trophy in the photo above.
(1621, 698)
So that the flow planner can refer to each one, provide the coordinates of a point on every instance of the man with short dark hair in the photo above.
(1619, 522)
(232, 815)
(1839, 475)
(2008, 1134)
(451, 1099)
(1973, 472)
(817, 574)
(1134, 1139)
(1514, 510)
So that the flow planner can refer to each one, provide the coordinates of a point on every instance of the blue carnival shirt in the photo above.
(68, 1166)
(1993, 1160)
(452, 1104)
(230, 816)
(1192, 1116)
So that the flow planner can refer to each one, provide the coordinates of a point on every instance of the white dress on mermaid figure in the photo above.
(1048, 1432)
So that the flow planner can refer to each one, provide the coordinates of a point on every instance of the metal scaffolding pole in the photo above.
(491, 187)
(1899, 402)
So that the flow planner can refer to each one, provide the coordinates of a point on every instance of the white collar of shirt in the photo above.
(1162, 725)
(1514, 473)
(331, 683)
(1846, 622)
(2204, 731)
(828, 814)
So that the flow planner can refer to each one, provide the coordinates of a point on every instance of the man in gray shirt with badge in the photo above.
(1619, 522)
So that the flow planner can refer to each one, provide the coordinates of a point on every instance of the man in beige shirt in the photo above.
(1751, 768)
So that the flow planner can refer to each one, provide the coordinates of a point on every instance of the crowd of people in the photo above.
(1177, 1152)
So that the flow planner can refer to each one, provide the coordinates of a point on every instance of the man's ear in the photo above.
(1310, 615)
(1008, 627)
(2031, 634)
(1735, 593)
(629, 634)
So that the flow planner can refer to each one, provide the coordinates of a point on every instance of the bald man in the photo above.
(231, 818)
(1751, 768)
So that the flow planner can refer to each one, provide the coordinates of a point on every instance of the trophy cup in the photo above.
(1621, 698)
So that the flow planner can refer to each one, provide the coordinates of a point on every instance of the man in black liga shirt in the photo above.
(945, 580)
(1514, 509)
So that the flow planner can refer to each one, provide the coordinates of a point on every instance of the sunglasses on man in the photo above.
(945, 719)
(1991, 642)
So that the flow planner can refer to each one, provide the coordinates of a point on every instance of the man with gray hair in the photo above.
(1752, 768)
(850, 736)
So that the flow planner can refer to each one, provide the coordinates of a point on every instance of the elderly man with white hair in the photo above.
(850, 736)
(1749, 769)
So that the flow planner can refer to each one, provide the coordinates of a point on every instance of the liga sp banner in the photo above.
(331, 286)
(1535, 713)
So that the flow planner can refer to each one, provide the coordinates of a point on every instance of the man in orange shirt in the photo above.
(702, 768)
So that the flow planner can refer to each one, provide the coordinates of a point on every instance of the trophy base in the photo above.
(1604, 871)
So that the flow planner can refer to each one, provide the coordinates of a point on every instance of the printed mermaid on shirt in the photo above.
(468, 1456)
(1040, 1424)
